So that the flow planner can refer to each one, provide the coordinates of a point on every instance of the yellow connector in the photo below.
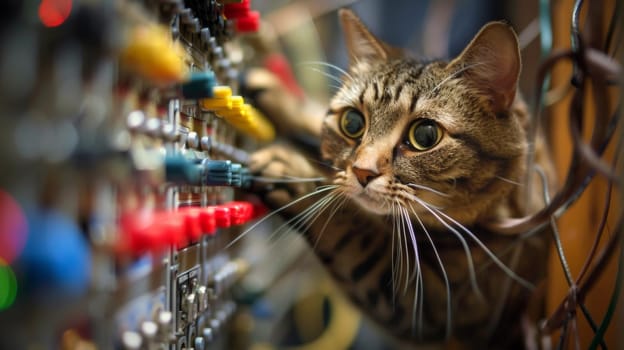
(221, 91)
(152, 53)
(262, 129)
(221, 100)
(237, 113)
(236, 109)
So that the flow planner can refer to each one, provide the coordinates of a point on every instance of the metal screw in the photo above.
(192, 140)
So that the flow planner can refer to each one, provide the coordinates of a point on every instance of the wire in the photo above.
(599, 336)
(546, 36)
(612, 24)
(560, 252)
(575, 40)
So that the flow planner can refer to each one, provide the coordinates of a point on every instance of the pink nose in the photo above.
(364, 176)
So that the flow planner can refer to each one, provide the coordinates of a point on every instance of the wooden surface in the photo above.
(579, 224)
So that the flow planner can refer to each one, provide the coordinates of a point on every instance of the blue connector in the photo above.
(199, 85)
(245, 177)
(180, 170)
(237, 180)
(217, 172)
(206, 172)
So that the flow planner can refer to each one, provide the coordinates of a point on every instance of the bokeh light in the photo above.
(53, 13)
(8, 285)
(13, 228)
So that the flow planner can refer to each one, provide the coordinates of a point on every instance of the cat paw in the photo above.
(283, 174)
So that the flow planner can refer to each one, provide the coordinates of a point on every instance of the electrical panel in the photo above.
(124, 139)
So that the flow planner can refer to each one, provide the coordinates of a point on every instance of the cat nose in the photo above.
(364, 176)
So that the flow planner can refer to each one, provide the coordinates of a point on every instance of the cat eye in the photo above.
(352, 123)
(424, 134)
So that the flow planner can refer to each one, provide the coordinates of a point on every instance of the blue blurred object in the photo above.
(262, 309)
(178, 169)
(199, 85)
(217, 172)
(56, 260)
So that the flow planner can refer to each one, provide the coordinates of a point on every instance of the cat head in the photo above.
(407, 134)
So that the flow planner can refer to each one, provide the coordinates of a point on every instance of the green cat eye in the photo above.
(352, 123)
(424, 134)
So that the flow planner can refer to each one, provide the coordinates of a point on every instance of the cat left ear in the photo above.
(492, 62)
(363, 46)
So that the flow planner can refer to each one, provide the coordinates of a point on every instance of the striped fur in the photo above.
(412, 239)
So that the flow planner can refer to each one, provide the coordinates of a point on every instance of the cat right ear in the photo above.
(492, 63)
(363, 46)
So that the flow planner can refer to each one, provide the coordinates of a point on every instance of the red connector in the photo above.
(246, 21)
(249, 23)
(237, 10)
(150, 231)
(146, 231)
(192, 222)
(222, 216)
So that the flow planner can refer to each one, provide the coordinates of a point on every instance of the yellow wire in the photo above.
(340, 331)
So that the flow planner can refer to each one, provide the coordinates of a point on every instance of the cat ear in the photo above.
(362, 44)
(492, 62)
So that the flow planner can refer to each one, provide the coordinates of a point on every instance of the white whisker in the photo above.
(405, 258)
(449, 312)
(331, 215)
(287, 179)
(298, 222)
(492, 256)
(326, 64)
(319, 190)
(418, 289)
(509, 181)
(312, 213)
(396, 270)
(471, 268)
(325, 164)
(295, 221)
(330, 76)
(426, 188)
(453, 75)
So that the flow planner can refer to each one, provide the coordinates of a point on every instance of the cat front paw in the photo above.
(283, 174)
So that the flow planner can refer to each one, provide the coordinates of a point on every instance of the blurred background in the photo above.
(124, 132)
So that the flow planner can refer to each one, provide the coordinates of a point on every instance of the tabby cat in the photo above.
(424, 156)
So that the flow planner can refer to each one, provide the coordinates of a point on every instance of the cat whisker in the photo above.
(319, 190)
(396, 269)
(419, 288)
(325, 164)
(333, 66)
(312, 215)
(322, 187)
(449, 311)
(509, 180)
(409, 196)
(350, 96)
(427, 188)
(403, 254)
(453, 75)
(330, 76)
(403, 232)
(302, 218)
(287, 179)
(331, 214)
(471, 268)
(334, 87)
(393, 262)
(492, 256)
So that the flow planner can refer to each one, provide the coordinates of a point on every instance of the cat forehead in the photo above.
(392, 91)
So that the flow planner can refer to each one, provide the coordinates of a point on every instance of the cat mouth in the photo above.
(372, 202)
